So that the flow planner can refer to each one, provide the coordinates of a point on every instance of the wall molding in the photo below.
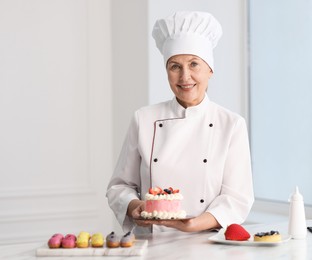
(38, 221)
(84, 212)
(45, 191)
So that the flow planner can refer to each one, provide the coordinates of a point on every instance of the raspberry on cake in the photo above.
(163, 204)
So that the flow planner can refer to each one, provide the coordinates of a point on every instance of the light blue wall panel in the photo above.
(281, 97)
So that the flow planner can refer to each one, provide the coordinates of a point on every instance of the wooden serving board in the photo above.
(138, 248)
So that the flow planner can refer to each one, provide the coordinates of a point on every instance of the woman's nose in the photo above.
(185, 74)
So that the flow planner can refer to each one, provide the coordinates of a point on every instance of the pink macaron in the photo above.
(55, 241)
(69, 241)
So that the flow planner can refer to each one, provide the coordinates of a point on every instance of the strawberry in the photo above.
(175, 191)
(236, 232)
(151, 191)
(155, 191)
(158, 190)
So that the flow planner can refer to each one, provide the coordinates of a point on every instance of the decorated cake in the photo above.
(163, 204)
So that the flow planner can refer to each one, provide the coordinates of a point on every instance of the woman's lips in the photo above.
(188, 86)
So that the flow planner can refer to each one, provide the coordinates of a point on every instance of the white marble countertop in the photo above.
(191, 246)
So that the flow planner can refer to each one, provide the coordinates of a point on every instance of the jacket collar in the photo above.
(197, 110)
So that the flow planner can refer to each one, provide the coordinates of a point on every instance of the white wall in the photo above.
(129, 63)
(56, 118)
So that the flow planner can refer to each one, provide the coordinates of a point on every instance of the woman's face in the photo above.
(188, 77)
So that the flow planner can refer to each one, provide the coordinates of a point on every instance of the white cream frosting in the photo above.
(163, 215)
(173, 196)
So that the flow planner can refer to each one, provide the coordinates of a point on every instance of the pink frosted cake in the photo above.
(163, 204)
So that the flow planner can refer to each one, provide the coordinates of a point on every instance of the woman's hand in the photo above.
(185, 225)
(135, 208)
(203, 222)
(179, 224)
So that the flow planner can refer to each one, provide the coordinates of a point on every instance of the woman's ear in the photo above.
(210, 74)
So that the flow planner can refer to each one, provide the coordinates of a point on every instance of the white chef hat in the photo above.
(195, 33)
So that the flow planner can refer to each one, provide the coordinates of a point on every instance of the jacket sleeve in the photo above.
(125, 181)
(236, 196)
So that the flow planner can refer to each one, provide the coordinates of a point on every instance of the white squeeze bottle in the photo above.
(297, 227)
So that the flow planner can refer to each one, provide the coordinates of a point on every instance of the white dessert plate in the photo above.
(157, 220)
(219, 238)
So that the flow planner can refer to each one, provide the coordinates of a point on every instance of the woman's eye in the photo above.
(194, 64)
(175, 67)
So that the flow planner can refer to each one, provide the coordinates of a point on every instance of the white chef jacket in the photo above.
(202, 150)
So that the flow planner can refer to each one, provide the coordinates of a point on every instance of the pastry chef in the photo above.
(189, 143)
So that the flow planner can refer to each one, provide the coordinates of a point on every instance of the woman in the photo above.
(188, 142)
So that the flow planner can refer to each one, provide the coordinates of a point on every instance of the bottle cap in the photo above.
(296, 195)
